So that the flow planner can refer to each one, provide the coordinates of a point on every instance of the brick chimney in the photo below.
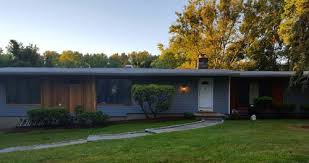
(202, 62)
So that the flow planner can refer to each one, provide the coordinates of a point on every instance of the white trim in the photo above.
(229, 100)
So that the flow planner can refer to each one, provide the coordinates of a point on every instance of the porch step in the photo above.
(209, 115)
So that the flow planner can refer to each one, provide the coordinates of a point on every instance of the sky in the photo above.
(88, 26)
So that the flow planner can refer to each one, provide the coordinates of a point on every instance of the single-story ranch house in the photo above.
(109, 89)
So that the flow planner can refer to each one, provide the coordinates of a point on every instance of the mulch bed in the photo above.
(29, 129)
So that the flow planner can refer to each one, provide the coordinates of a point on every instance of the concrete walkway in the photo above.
(181, 127)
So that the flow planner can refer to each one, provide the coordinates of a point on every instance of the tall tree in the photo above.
(261, 42)
(294, 30)
(142, 59)
(24, 56)
(5, 59)
(118, 60)
(211, 28)
(70, 59)
(95, 60)
(167, 59)
(51, 59)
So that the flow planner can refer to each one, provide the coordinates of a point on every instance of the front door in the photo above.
(206, 94)
(75, 96)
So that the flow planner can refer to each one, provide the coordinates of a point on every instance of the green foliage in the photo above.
(83, 118)
(79, 110)
(49, 116)
(168, 59)
(118, 60)
(50, 59)
(157, 97)
(58, 116)
(24, 56)
(5, 60)
(263, 100)
(285, 107)
(95, 60)
(91, 118)
(304, 108)
(70, 59)
(188, 115)
(210, 28)
(141, 59)
(294, 31)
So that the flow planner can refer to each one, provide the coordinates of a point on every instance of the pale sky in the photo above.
(92, 26)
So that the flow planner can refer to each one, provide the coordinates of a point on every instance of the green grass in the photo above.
(53, 135)
(233, 141)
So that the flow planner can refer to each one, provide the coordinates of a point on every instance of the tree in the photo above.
(209, 28)
(157, 98)
(118, 60)
(50, 59)
(95, 60)
(5, 59)
(167, 59)
(294, 31)
(142, 59)
(24, 56)
(70, 59)
(261, 41)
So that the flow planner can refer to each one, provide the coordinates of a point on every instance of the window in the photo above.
(23, 91)
(114, 91)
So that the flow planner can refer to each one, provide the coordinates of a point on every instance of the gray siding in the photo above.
(221, 95)
(187, 102)
(181, 102)
(296, 96)
(11, 110)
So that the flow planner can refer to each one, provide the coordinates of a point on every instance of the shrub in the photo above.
(263, 100)
(49, 116)
(235, 115)
(284, 107)
(91, 118)
(304, 108)
(79, 109)
(188, 115)
(157, 97)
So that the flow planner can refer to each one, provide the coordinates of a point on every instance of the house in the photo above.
(109, 90)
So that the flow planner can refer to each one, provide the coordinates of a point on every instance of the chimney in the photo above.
(202, 62)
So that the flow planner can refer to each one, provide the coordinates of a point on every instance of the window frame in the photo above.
(130, 98)
(16, 82)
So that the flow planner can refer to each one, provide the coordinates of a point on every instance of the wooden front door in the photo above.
(75, 94)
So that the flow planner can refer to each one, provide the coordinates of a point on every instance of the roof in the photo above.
(114, 71)
(140, 72)
(266, 73)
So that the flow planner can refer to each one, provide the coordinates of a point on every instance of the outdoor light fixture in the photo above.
(183, 89)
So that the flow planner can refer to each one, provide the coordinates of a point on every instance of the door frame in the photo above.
(210, 109)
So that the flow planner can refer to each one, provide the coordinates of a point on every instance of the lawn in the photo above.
(9, 139)
(233, 141)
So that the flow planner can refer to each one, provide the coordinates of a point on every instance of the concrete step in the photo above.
(209, 115)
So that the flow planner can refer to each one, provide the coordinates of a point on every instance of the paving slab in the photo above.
(116, 136)
(183, 127)
(42, 146)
